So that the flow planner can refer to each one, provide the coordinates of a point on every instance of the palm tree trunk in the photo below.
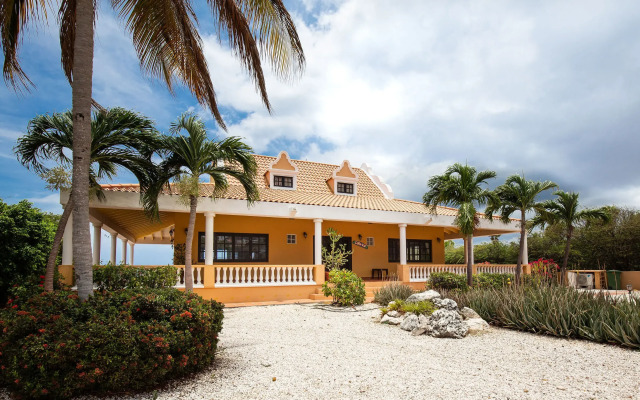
(523, 231)
(81, 103)
(565, 259)
(55, 247)
(470, 260)
(188, 269)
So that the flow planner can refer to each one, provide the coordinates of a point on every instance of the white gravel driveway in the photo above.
(318, 354)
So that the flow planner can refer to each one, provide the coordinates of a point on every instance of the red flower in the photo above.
(16, 381)
(41, 276)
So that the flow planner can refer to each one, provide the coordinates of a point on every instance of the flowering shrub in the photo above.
(116, 277)
(346, 288)
(544, 271)
(54, 345)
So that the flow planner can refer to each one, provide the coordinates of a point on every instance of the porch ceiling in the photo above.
(454, 233)
(132, 223)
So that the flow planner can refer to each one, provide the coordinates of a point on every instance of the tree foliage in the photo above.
(26, 234)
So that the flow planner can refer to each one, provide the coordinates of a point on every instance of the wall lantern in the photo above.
(304, 234)
(359, 236)
(629, 288)
(439, 240)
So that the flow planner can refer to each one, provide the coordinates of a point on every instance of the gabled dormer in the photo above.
(282, 173)
(344, 180)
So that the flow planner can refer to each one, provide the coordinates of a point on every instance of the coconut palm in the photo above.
(188, 157)
(517, 194)
(166, 39)
(119, 138)
(461, 186)
(564, 211)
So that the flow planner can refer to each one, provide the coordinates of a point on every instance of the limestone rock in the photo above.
(446, 304)
(476, 325)
(394, 314)
(428, 295)
(468, 313)
(410, 322)
(386, 319)
(418, 332)
(448, 324)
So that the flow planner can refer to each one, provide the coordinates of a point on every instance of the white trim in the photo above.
(167, 203)
(342, 179)
(377, 180)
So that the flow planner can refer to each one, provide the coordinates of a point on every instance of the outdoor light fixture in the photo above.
(186, 230)
(629, 287)
(359, 236)
(439, 240)
(304, 234)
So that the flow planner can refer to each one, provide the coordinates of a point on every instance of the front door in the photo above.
(346, 240)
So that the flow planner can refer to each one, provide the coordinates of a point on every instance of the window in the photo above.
(345, 188)
(394, 250)
(417, 250)
(291, 239)
(283, 181)
(240, 247)
(370, 241)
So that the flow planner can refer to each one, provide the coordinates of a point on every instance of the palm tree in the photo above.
(564, 211)
(461, 186)
(166, 39)
(186, 159)
(119, 138)
(517, 194)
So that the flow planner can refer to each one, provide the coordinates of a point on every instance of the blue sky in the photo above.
(550, 89)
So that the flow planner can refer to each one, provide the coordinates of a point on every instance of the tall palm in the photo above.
(518, 194)
(564, 210)
(169, 46)
(463, 187)
(188, 157)
(119, 138)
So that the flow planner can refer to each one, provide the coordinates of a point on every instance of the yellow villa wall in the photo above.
(281, 253)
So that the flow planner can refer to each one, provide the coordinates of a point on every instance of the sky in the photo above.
(548, 89)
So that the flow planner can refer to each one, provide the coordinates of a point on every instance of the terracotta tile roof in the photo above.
(312, 189)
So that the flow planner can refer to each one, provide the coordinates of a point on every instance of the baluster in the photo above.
(288, 279)
(277, 274)
(243, 279)
(261, 279)
(178, 277)
(235, 275)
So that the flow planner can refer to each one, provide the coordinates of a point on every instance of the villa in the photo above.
(271, 250)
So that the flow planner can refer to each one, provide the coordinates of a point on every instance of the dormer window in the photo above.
(344, 180)
(346, 188)
(283, 181)
(282, 173)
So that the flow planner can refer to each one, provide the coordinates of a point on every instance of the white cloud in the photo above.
(505, 86)
(48, 203)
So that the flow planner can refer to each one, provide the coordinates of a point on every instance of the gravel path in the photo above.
(317, 354)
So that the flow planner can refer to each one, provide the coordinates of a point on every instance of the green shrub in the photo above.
(558, 311)
(116, 277)
(424, 307)
(485, 280)
(54, 345)
(346, 288)
(447, 281)
(393, 291)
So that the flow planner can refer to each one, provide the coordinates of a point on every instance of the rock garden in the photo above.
(428, 313)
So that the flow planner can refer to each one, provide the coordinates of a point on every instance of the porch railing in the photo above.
(220, 276)
(421, 273)
(264, 275)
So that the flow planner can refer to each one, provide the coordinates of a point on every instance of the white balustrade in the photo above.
(421, 273)
(263, 275)
(198, 276)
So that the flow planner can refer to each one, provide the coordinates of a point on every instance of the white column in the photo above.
(67, 242)
(124, 250)
(403, 244)
(131, 246)
(114, 244)
(97, 233)
(317, 254)
(208, 237)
